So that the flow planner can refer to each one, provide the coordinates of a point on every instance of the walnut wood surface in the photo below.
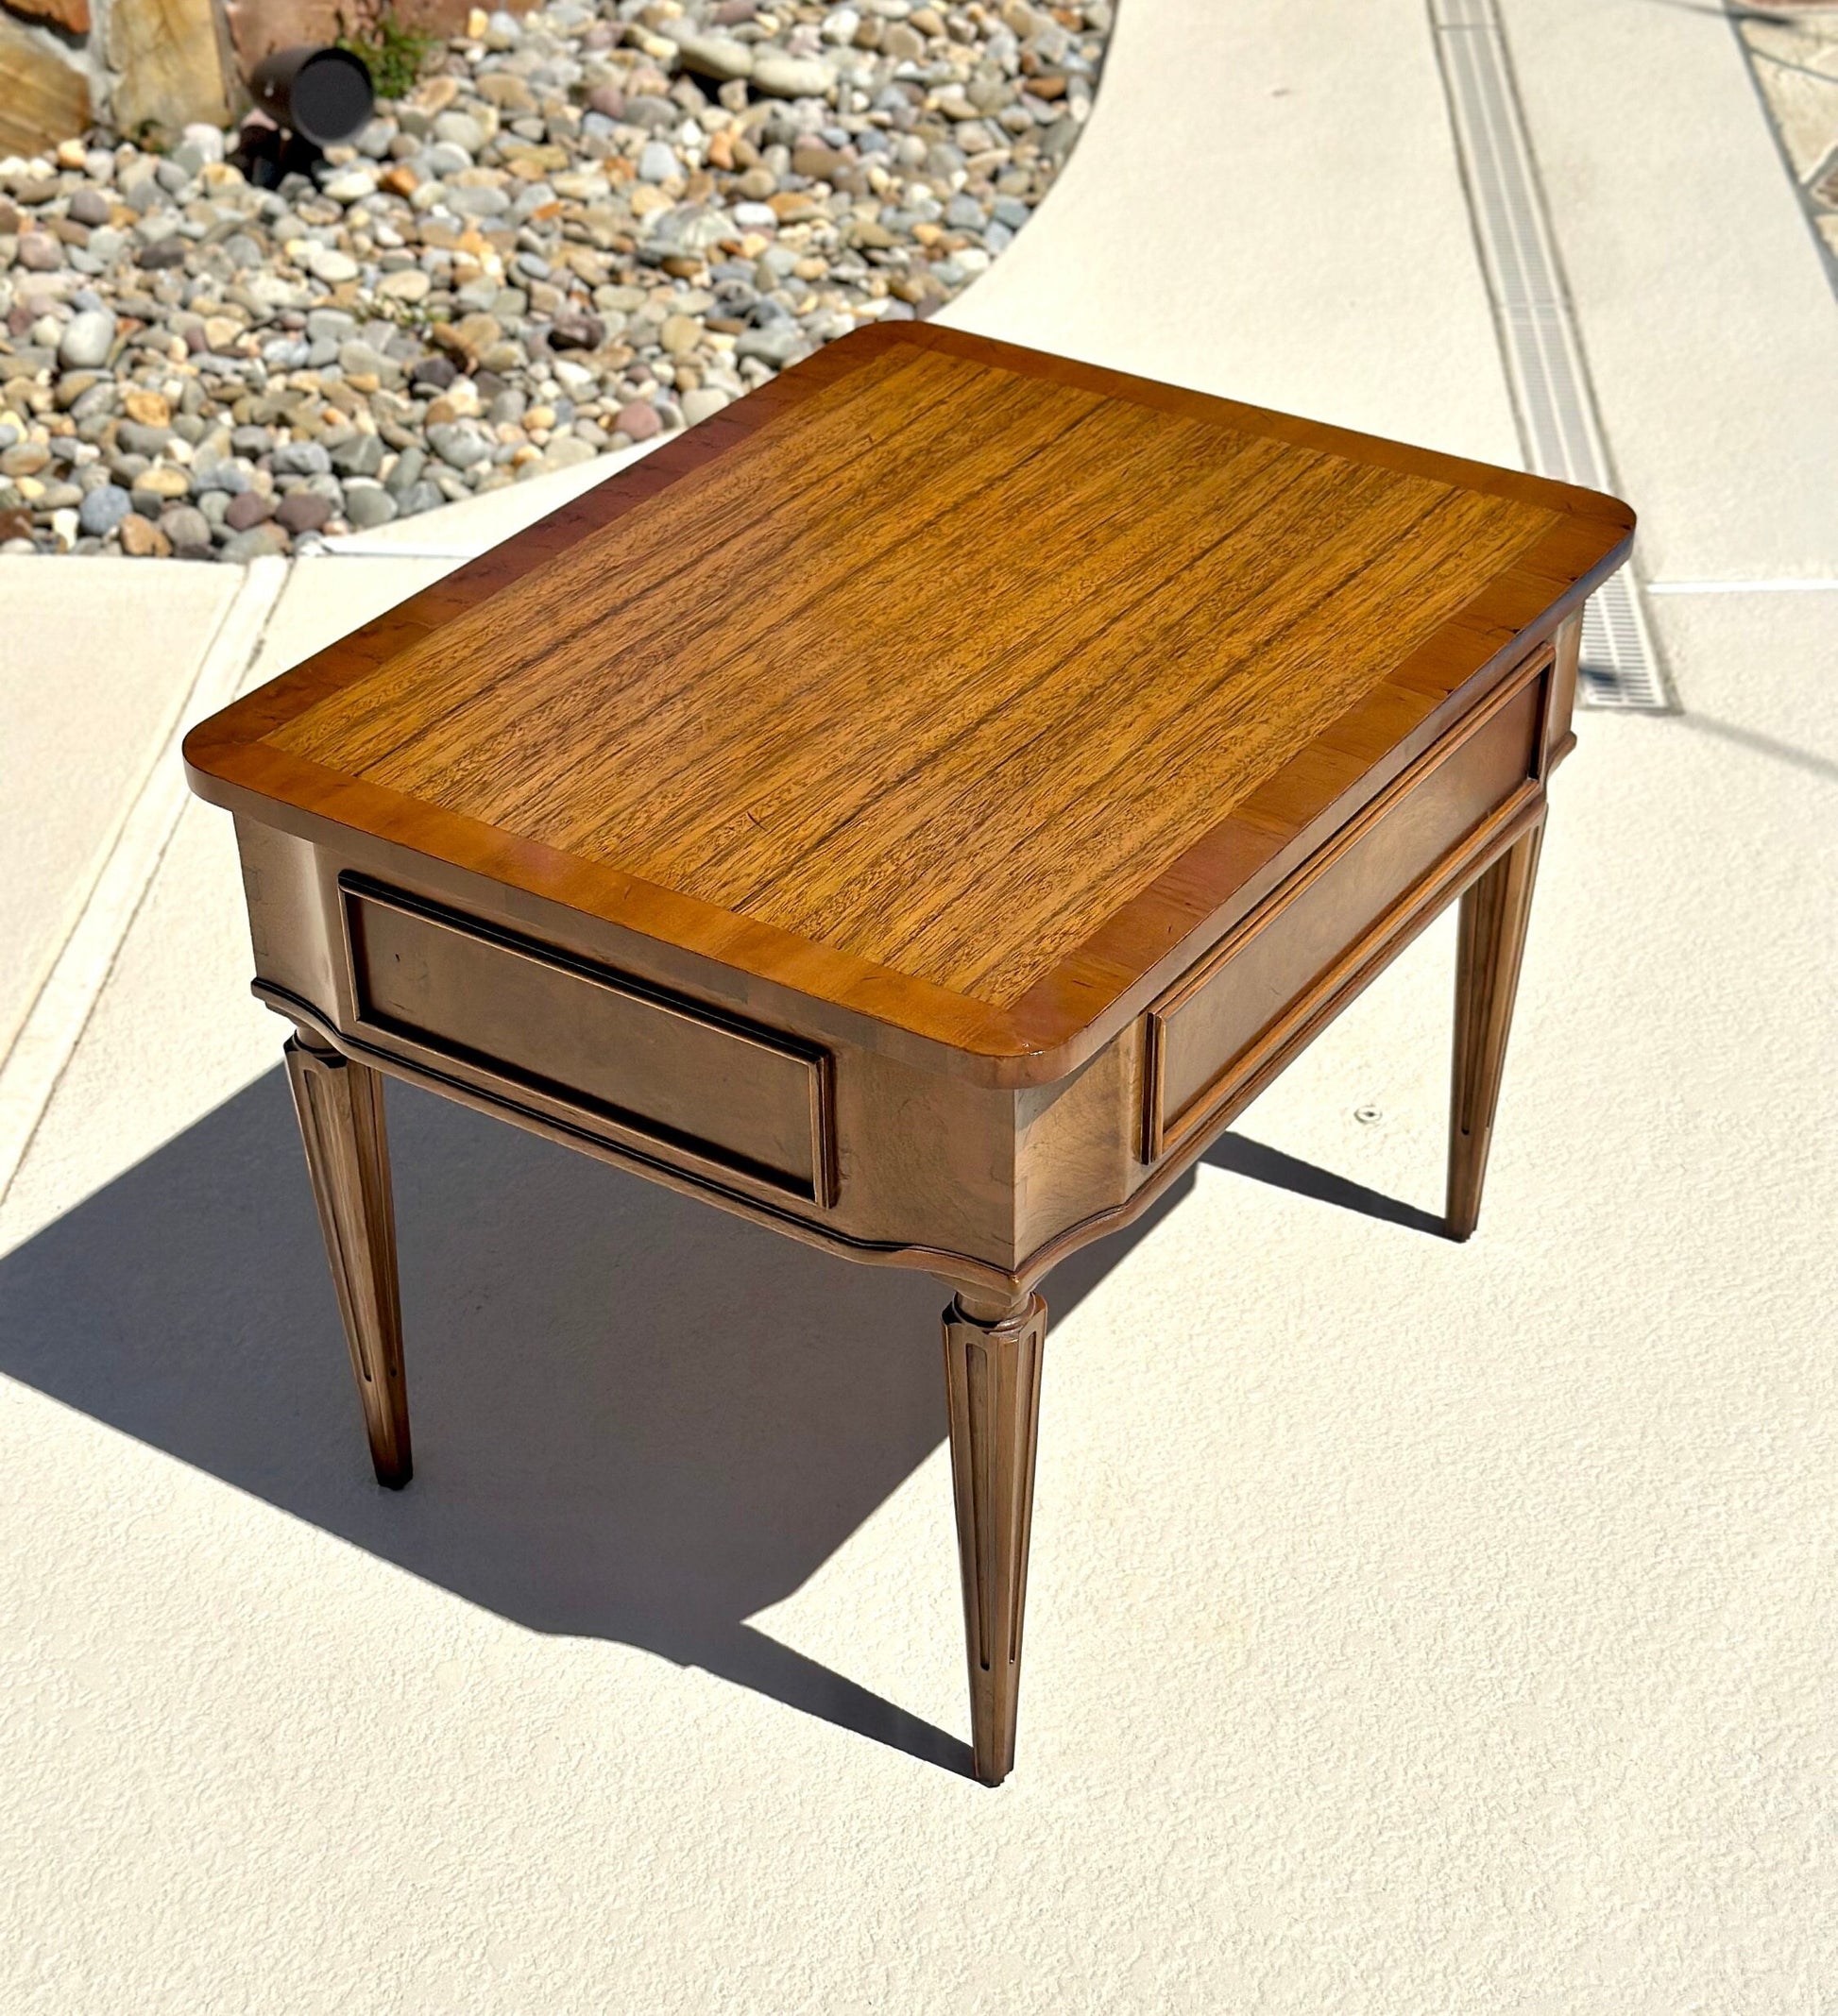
(952, 684)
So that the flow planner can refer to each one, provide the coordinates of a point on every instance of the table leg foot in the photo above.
(1494, 913)
(992, 1380)
(340, 1109)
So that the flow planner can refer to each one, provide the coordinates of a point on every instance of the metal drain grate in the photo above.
(1545, 373)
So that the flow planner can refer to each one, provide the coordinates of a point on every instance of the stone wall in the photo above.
(145, 68)
(135, 66)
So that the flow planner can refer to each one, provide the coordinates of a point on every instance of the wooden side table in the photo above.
(914, 812)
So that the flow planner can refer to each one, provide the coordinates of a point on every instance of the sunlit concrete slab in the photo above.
(1701, 294)
(95, 660)
(62, 996)
(1266, 205)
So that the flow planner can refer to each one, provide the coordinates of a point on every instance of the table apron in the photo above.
(1355, 902)
(837, 1142)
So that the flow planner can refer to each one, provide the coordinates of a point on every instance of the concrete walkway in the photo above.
(1413, 1627)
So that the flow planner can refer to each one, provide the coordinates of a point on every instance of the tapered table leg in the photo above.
(1494, 913)
(340, 1109)
(992, 1380)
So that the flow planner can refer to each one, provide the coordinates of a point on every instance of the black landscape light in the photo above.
(324, 96)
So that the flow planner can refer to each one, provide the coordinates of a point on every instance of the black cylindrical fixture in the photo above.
(324, 96)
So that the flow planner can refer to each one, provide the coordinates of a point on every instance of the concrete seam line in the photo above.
(1547, 375)
(60, 1011)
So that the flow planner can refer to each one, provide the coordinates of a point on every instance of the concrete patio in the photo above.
(1412, 1627)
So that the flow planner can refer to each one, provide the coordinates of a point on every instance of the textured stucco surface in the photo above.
(1412, 1628)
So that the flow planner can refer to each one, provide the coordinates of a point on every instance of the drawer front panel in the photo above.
(526, 1018)
(1309, 933)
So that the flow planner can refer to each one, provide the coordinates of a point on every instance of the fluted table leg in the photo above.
(992, 1378)
(340, 1109)
(1494, 914)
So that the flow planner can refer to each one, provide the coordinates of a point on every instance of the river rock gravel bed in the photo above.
(582, 229)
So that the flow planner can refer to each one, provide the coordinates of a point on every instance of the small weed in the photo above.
(395, 60)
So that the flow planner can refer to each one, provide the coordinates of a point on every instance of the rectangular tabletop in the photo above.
(953, 684)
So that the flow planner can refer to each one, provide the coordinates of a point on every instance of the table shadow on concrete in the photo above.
(634, 1418)
(1242, 1156)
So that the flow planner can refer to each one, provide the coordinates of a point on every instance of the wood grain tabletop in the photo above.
(952, 683)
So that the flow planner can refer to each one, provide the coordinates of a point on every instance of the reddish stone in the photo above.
(247, 508)
(304, 511)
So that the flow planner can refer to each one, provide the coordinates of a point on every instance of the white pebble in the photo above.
(87, 339)
(703, 403)
(326, 263)
(793, 77)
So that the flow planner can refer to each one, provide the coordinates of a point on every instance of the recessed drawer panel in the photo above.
(1340, 911)
(525, 1018)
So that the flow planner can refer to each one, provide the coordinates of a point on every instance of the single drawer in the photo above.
(538, 1027)
(1344, 911)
